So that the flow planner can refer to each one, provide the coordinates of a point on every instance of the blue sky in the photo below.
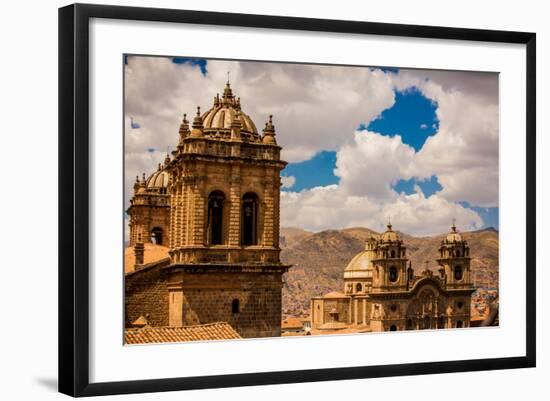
(315, 172)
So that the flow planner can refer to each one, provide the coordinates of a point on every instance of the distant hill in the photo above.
(319, 260)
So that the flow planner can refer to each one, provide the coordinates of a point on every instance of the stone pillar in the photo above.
(268, 212)
(350, 311)
(234, 237)
(175, 307)
(355, 306)
(139, 252)
(198, 215)
(364, 310)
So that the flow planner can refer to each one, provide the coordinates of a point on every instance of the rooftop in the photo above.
(203, 332)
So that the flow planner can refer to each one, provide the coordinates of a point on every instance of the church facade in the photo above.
(383, 293)
(215, 205)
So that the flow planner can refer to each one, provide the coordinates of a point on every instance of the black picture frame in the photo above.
(74, 198)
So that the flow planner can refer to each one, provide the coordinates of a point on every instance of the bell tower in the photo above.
(454, 259)
(224, 222)
(390, 263)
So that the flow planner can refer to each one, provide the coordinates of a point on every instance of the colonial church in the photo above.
(203, 256)
(213, 209)
(383, 293)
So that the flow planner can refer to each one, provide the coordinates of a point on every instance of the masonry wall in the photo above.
(208, 298)
(146, 294)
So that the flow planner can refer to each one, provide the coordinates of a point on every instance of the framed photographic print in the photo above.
(274, 215)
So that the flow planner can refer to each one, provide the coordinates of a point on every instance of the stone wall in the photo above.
(146, 294)
(207, 298)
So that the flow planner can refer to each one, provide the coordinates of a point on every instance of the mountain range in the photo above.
(319, 260)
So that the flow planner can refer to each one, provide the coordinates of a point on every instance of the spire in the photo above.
(143, 182)
(197, 124)
(389, 225)
(453, 227)
(227, 92)
(269, 132)
(137, 184)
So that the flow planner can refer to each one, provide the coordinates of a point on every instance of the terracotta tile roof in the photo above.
(334, 294)
(292, 323)
(203, 332)
(152, 253)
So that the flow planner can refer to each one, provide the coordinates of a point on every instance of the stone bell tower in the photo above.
(224, 222)
(454, 259)
(390, 263)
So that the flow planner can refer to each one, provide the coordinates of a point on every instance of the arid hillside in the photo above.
(319, 260)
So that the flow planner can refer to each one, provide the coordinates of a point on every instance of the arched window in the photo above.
(156, 236)
(215, 217)
(459, 324)
(393, 327)
(458, 273)
(392, 253)
(457, 253)
(235, 306)
(393, 274)
(427, 322)
(358, 287)
(249, 213)
(409, 324)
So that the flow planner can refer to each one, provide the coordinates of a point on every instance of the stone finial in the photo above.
(269, 132)
(167, 159)
(143, 182)
(197, 124)
(137, 184)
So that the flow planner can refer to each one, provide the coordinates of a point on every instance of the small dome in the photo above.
(454, 236)
(360, 262)
(223, 112)
(389, 235)
(359, 267)
(159, 179)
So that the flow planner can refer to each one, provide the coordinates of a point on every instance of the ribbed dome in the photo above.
(223, 112)
(389, 235)
(159, 179)
(221, 117)
(359, 267)
(361, 261)
(454, 236)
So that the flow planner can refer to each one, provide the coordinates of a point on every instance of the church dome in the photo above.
(359, 266)
(224, 111)
(389, 235)
(454, 235)
(159, 179)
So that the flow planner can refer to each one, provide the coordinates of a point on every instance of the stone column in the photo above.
(355, 312)
(268, 213)
(235, 208)
(364, 310)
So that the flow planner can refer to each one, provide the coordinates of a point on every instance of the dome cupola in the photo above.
(219, 119)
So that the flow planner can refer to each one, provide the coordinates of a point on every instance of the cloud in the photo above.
(365, 197)
(288, 181)
(331, 207)
(319, 109)
(372, 164)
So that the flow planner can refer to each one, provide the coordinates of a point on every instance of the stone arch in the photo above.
(157, 235)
